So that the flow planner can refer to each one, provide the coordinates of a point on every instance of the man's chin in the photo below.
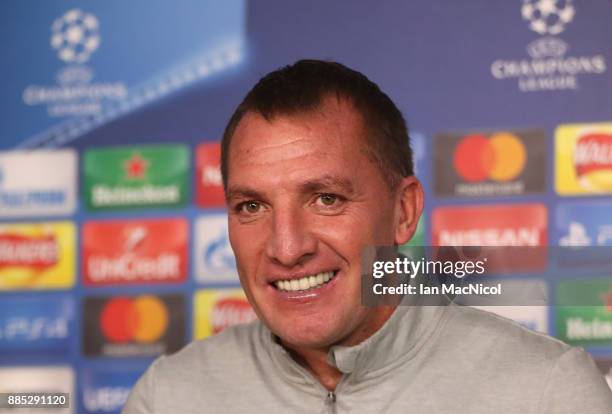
(309, 336)
(298, 342)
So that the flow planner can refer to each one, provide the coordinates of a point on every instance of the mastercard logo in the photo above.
(499, 157)
(143, 319)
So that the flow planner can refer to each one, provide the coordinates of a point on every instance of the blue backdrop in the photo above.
(86, 77)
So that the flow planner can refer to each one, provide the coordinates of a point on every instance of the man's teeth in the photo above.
(305, 283)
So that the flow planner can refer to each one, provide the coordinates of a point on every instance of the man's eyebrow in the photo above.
(327, 183)
(319, 184)
(243, 192)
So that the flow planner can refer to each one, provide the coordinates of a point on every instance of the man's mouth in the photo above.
(306, 282)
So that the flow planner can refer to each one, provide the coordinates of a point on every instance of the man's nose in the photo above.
(290, 243)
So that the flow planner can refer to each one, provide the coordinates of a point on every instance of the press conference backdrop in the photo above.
(113, 238)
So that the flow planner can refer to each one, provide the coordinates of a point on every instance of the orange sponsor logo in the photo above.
(143, 319)
(500, 157)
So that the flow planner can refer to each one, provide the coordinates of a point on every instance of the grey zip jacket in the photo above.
(425, 359)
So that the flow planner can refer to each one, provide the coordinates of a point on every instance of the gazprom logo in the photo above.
(218, 255)
(214, 259)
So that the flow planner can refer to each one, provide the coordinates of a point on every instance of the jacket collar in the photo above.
(402, 336)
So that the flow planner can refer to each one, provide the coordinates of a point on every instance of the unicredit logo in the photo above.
(140, 251)
(500, 157)
(143, 319)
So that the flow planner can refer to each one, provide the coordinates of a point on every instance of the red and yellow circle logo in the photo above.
(499, 157)
(143, 319)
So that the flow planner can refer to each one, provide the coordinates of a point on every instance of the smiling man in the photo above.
(316, 166)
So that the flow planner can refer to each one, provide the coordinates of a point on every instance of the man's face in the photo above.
(304, 199)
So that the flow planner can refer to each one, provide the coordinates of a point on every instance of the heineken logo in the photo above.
(125, 177)
(579, 329)
(105, 196)
(584, 314)
(135, 167)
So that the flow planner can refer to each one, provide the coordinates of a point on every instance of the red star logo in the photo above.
(607, 300)
(136, 167)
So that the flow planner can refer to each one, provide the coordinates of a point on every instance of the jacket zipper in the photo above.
(331, 397)
(331, 401)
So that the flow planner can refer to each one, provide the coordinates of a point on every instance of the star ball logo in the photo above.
(133, 326)
(490, 163)
(549, 67)
(75, 36)
(548, 16)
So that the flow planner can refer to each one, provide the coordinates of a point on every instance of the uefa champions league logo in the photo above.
(548, 17)
(75, 36)
(549, 66)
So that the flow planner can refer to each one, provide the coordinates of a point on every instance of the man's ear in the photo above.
(409, 205)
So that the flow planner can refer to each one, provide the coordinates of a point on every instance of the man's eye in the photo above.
(250, 207)
(328, 199)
